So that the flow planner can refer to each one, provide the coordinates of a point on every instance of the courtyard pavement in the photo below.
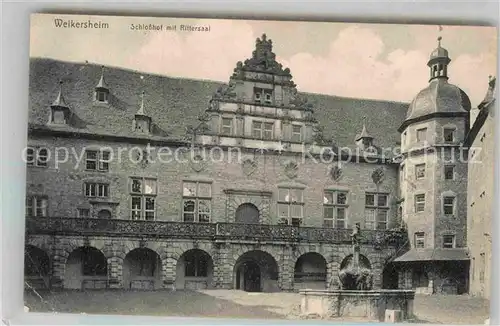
(440, 309)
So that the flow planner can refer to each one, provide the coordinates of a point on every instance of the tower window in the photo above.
(421, 134)
(419, 240)
(420, 171)
(448, 205)
(419, 203)
(448, 241)
(449, 135)
(449, 172)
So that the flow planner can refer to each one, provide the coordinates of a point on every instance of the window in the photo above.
(448, 205)
(262, 130)
(419, 240)
(291, 205)
(143, 198)
(36, 206)
(421, 134)
(449, 172)
(448, 241)
(296, 133)
(403, 140)
(419, 203)
(37, 156)
(83, 212)
(268, 97)
(449, 135)
(335, 209)
(376, 211)
(227, 126)
(92, 189)
(97, 160)
(197, 202)
(101, 95)
(420, 171)
(257, 94)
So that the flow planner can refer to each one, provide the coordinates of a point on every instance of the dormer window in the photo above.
(101, 95)
(101, 89)
(58, 117)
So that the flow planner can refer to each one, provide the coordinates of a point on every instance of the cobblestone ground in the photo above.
(237, 304)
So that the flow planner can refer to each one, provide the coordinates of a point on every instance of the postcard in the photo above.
(260, 169)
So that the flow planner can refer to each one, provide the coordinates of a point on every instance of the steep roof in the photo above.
(174, 104)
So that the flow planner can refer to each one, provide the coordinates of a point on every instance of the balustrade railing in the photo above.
(214, 231)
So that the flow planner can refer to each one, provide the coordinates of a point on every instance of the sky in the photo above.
(373, 61)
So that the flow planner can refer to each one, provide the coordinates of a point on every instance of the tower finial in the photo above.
(141, 107)
(59, 101)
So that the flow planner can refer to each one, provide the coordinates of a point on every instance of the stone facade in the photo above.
(480, 196)
(259, 191)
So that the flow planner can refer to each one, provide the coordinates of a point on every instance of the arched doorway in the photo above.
(247, 213)
(194, 270)
(104, 214)
(36, 267)
(256, 271)
(310, 272)
(142, 269)
(86, 268)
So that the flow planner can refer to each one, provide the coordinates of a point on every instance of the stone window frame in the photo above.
(421, 202)
(335, 207)
(101, 163)
(448, 205)
(448, 128)
(421, 130)
(262, 130)
(417, 166)
(291, 220)
(231, 126)
(419, 236)
(447, 166)
(453, 240)
(372, 220)
(197, 199)
(33, 155)
(294, 134)
(141, 212)
(36, 204)
(87, 191)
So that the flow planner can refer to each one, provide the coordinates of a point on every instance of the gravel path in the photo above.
(238, 304)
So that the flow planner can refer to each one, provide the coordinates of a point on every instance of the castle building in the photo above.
(144, 181)
(480, 194)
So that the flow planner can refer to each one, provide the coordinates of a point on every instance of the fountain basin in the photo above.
(370, 304)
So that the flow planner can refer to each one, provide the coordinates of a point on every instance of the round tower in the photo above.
(434, 169)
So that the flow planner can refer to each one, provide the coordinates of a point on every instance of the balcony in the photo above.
(207, 231)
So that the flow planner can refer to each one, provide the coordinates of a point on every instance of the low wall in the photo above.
(351, 303)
